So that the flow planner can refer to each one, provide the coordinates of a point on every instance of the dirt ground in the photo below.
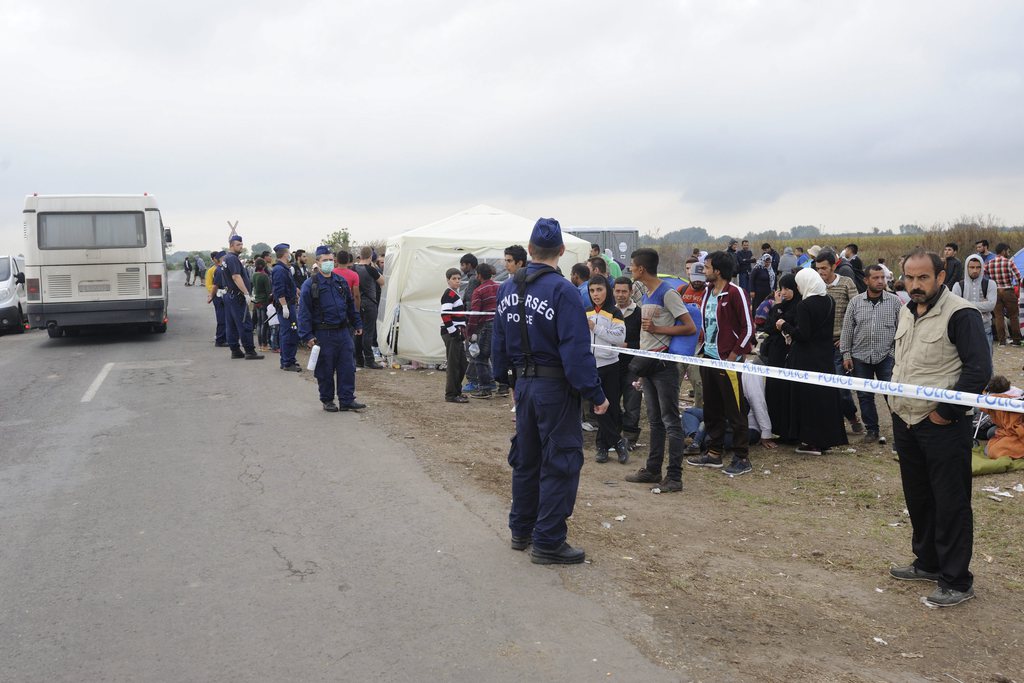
(780, 575)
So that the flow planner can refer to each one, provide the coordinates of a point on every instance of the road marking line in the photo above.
(95, 386)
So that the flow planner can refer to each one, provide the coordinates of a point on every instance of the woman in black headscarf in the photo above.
(815, 416)
(774, 350)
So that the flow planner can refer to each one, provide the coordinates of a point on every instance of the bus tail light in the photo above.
(156, 285)
(32, 288)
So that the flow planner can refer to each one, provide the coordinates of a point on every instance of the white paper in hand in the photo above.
(273, 319)
(314, 355)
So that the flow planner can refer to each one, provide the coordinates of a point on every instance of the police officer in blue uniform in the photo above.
(215, 297)
(236, 303)
(540, 329)
(286, 296)
(326, 308)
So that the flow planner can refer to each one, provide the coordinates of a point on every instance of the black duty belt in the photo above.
(339, 326)
(546, 371)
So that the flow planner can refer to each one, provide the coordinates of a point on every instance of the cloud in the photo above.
(370, 108)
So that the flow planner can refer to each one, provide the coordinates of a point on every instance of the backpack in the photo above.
(314, 293)
(681, 345)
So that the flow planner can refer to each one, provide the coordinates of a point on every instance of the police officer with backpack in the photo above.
(540, 329)
(285, 297)
(326, 309)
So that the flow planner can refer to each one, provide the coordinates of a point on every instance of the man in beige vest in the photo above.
(940, 344)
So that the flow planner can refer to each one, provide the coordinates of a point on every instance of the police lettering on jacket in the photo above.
(557, 327)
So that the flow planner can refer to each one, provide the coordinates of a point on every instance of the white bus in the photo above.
(95, 260)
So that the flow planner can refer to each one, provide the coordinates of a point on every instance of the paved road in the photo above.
(202, 519)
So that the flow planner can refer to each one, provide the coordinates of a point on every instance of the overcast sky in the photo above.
(299, 118)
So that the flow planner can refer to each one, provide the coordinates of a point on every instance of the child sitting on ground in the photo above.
(1006, 436)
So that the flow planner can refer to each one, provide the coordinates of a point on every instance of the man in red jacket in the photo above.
(728, 331)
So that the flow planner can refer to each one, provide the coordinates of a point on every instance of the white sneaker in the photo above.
(587, 427)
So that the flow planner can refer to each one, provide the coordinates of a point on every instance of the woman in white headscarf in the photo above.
(815, 415)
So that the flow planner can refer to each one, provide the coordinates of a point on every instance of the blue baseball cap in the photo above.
(279, 247)
(235, 238)
(323, 249)
(547, 234)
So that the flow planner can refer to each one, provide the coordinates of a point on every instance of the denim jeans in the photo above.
(482, 362)
(661, 393)
(846, 403)
(882, 371)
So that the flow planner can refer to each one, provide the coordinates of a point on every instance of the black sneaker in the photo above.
(456, 399)
(871, 437)
(252, 355)
(670, 485)
(738, 466)
(353, 406)
(481, 393)
(622, 450)
(330, 406)
(236, 354)
(564, 554)
(520, 542)
(602, 455)
(706, 460)
(856, 426)
(947, 597)
(912, 573)
(502, 391)
(642, 476)
(221, 345)
(292, 368)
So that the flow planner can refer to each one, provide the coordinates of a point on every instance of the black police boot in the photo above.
(330, 406)
(236, 353)
(252, 355)
(354, 405)
(564, 554)
(220, 345)
(292, 368)
(520, 542)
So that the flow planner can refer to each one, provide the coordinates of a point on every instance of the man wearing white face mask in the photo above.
(326, 309)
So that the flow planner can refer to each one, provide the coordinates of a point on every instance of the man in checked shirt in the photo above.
(866, 342)
(1004, 274)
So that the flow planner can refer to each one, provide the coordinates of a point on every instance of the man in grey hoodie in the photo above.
(979, 290)
(787, 262)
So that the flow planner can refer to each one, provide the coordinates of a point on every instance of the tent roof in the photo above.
(481, 222)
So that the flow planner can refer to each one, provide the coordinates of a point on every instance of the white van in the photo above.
(95, 260)
(13, 305)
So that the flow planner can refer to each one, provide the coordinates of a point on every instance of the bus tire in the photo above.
(71, 331)
(160, 329)
(55, 332)
(21, 321)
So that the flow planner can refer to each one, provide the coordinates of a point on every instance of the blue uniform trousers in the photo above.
(218, 309)
(288, 337)
(336, 362)
(546, 457)
(239, 322)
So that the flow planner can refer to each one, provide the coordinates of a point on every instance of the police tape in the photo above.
(874, 386)
(440, 312)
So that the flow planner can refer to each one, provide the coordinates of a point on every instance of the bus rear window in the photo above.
(125, 230)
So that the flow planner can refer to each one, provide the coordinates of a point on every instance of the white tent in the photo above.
(414, 266)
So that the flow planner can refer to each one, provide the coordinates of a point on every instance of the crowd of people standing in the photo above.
(818, 310)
